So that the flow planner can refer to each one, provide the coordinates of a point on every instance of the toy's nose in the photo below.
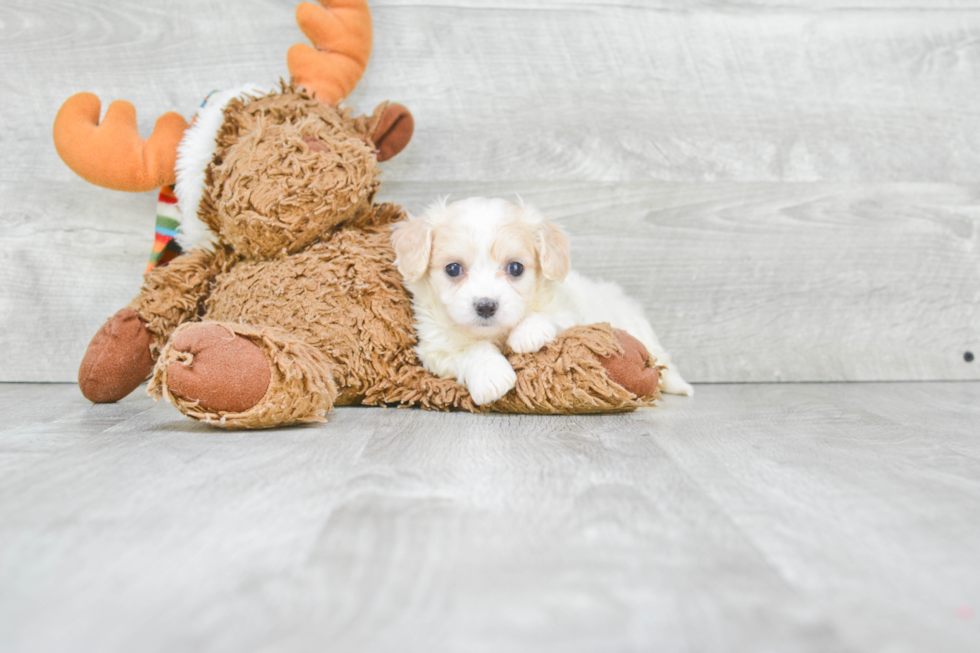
(316, 144)
(485, 307)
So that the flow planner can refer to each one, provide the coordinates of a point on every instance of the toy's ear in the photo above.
(412, 241)
(391, 130)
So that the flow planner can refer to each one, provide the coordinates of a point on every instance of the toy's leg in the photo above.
(671, 382)
(631, 369)
(217, 368)
(239, 376)
(587, 369)
(117, 360)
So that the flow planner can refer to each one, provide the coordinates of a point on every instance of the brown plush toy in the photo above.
(288, 302)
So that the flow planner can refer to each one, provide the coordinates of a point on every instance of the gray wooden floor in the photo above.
(794, 517)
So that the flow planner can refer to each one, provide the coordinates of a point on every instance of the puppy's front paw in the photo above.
(531, 335)
(491, 381)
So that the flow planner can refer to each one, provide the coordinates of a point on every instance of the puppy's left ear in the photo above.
(553, 251)
(390, 129)
(412, 240)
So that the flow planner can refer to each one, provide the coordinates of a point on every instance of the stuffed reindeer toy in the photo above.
(284, 300)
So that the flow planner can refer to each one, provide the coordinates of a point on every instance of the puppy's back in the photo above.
(605, 301)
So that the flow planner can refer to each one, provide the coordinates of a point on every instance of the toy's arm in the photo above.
(122, 353)
(586, 369)
(174, 294)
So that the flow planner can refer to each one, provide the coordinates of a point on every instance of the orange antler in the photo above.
(341, 32)
(113, 154)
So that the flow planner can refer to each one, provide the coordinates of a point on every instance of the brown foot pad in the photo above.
(630, 369)
(117, 360)
(220, 370)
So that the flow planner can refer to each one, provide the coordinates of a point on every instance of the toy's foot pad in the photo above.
(218, 369)
(117, 360)
(630, 370)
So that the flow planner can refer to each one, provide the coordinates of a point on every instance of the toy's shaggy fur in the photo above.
(303, 269)
(336, 324)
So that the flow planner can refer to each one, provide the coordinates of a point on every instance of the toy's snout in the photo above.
(280, 187)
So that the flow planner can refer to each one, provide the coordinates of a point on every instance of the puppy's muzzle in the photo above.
(485, 308)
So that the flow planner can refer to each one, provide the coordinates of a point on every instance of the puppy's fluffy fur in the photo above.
(484, 273)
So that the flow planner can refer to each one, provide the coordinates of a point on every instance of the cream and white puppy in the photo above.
(484, 273)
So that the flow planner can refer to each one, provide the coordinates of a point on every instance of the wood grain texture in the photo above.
(743, 282)
(793, 517)
(688, 5)
(562, 92)
(699, 125)
(634, 93)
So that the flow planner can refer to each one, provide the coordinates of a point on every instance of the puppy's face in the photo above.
(484, 259)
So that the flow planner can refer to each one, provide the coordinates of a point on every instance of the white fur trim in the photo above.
(194, 154)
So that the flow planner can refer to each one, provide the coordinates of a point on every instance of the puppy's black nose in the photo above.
(485, 307)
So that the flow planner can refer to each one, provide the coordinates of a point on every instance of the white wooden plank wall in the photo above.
(790, 187)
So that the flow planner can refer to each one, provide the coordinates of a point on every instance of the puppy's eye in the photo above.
(515, 269)
(454, 269)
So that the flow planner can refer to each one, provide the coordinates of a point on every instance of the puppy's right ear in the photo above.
(553, 251)
(412, 240)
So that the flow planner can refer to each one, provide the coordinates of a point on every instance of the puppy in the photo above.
(484, 273)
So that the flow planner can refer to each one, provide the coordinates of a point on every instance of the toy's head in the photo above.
(288, 168)
(265, 172)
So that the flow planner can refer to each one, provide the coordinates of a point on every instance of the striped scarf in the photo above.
(165, 248)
